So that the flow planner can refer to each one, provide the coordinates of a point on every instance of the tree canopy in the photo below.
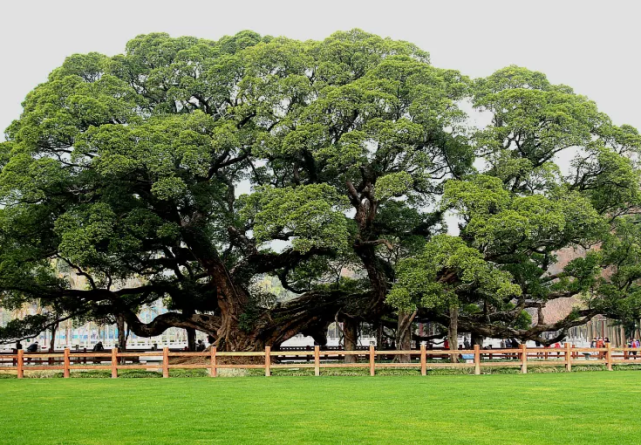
(185, 170)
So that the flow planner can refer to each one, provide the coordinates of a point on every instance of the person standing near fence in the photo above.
(513, 343)
(599, 345)
(33, 347)
(98, 347)
(557, 345)
(629, 343)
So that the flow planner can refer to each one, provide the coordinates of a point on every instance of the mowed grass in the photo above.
(576, 408)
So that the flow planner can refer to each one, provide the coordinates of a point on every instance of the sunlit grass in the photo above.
(581, 408)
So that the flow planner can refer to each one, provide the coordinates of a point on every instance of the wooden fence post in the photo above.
(477, 360)
(165, 362)
(20, 363)
(114, 363)
(568, 356)
(316, 361)
(608, 356)
(423, 360)
(268, 361)
(213, 372)
(523, 358)
(65, 364)
(372, 361)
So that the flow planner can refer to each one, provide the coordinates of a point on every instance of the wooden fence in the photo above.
(476, 358)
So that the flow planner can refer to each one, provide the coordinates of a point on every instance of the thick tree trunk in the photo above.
(380, 274)
(404, 335)
(350, 338)
(191, 339)
(191, 332)
(234, 328)
(477, 340)
(231, 298)
(318, 333)
(232, 302)
(122, 334)
(453, 333)
(237, 329)
(52, 342)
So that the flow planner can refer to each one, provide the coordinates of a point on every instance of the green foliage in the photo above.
(519, 211)
(31, 325)
(446, 267)
(394, 184)
(131, 168)
(311, 215)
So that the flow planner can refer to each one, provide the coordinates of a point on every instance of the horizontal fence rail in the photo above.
(476, 358)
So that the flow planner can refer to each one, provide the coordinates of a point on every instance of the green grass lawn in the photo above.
(581, 408)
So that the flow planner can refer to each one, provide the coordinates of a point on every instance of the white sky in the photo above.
(589, 45)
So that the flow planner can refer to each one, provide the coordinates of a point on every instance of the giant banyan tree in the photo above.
(199, 167)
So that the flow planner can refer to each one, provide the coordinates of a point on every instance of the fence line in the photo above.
(476, 358)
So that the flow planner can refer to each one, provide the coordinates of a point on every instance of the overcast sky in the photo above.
(589, 45)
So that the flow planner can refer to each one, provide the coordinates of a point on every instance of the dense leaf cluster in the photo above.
(187, 169)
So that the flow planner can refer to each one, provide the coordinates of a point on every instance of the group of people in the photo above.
(465, 345)
(200, 344)
(602, 342)
(634, 343)
(33, 347)
(99, 347)
(510, 343)
(599, 342)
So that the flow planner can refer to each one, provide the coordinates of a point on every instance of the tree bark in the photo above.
(191, 339)
(350, 338)
(310, 314)
(122, 335)
(191, 332)
(477, 340)
(52, 342)
(380, 274)
(232, 299)
(453, 333)
(404, 335)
